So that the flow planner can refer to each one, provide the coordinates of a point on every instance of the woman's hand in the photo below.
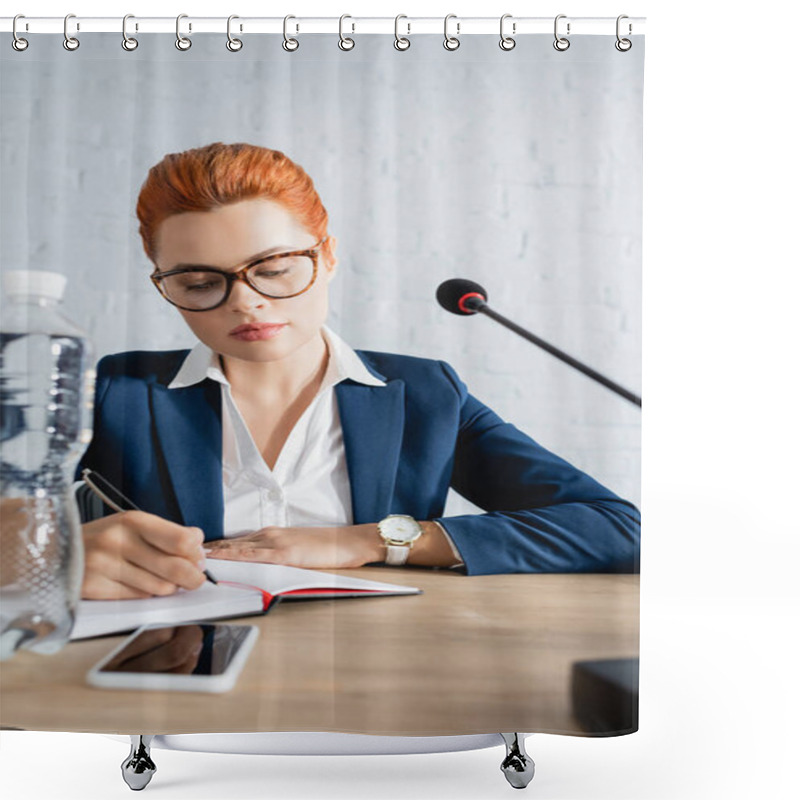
(133, 554)
(310, 548)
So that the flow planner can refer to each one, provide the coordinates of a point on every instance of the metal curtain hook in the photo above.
(400, 42)
(182, 42)
(70, 42)
(623, 45)
(507, 42)
(345, 42)
(128, 42)
(233, 44)
(18, 43)
(451, 42)
(289, 44)
(561, 43)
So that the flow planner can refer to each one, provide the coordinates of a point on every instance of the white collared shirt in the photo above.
(309, 485)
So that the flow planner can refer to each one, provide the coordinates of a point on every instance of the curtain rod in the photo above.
(406, 26)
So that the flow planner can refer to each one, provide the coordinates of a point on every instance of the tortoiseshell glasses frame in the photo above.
(242, 273)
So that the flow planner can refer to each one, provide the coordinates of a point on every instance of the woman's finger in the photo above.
(112, 575)
(186, 573)
(101, 586)
(163, 534)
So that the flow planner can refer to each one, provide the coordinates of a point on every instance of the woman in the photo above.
(272, 440)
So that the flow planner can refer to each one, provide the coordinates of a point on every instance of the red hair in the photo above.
(207, 177)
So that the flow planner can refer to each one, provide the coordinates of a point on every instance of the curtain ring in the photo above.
(233, 44)
(623, 45)
(400, 42)
(182, 42)
(289, 44)
(507, 42)
(18, 43)
(128, 42)
(561, 43)
(451, 42)
(70, 42)
(345, 42)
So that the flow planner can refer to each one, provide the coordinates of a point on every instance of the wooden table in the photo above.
(471, 654)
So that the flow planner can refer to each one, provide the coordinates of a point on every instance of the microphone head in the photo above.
(460, 296)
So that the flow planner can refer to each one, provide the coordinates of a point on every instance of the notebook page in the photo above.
(97, 617)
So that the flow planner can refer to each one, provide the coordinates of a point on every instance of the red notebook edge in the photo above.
(270, 600)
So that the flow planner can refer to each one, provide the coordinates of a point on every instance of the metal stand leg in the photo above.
(138, 768)
(517, 766)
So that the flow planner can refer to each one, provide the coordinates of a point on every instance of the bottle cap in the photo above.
(36, 283)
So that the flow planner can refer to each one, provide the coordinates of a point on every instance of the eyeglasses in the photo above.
(277, 276)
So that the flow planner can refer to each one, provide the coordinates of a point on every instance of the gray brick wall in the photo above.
(520, 170)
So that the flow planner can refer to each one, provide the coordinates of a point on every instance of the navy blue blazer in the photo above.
(405, 444)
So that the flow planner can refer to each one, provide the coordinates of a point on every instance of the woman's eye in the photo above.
(198, 283)
(271, 273)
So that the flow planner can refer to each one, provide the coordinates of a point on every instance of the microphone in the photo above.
(460, 296)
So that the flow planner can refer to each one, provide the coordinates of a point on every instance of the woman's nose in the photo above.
(243, 297)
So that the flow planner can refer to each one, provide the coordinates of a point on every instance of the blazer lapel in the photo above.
(189, 428)
(372, 420)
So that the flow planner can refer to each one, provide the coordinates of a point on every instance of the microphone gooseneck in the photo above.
(465, 297)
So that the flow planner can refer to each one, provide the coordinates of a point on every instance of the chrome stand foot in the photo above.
(517, 766)
(138, 768)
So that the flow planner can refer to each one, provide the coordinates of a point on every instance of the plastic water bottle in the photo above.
(46, 393)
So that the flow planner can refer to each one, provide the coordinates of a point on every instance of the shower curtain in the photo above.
(519, 169)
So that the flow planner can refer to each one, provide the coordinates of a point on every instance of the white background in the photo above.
(720, 601)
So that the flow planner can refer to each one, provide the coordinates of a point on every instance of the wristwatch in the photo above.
(399, 532)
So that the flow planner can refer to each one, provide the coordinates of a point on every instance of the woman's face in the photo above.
(228, 237)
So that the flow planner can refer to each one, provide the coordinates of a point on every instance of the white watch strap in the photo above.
(397, 554)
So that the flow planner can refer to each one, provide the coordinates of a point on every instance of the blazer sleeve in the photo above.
(542, 513)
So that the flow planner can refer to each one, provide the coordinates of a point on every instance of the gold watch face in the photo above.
(400, 530)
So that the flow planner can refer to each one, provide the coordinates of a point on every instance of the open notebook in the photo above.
(244, 588)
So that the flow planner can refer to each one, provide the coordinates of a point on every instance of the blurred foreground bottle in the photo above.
(46, 393)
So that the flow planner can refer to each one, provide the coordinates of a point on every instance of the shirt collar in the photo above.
(202, 362)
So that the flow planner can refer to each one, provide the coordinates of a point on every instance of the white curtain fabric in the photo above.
(520, 170)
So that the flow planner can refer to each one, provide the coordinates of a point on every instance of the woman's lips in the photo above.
(256, 332)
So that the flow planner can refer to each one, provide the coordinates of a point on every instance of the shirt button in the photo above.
(274, 494)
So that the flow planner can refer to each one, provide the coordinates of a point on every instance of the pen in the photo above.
(107, 493)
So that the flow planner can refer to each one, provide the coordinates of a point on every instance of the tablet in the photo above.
(194, 657)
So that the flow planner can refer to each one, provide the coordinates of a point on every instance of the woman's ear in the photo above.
(332, 261)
